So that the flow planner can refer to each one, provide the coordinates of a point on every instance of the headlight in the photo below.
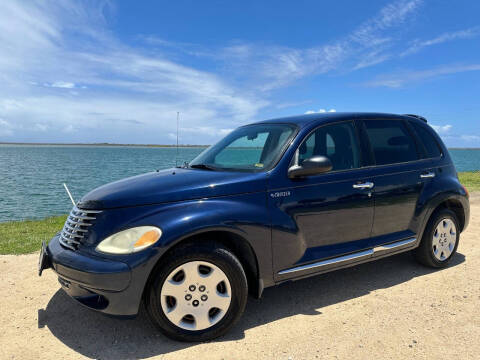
(130, 241)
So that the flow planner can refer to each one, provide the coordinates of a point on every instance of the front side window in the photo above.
(431, 146)
(390, 141)
(338, 142)
(250, 148)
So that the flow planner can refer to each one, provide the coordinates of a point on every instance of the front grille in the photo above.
(76, 228)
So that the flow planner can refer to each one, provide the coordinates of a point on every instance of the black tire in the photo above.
(218, 256)
(424, 254)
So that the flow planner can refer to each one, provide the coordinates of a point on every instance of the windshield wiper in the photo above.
(183, 166)
(202, 166)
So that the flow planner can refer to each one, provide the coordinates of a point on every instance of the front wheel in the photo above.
(198, 294)
(440, 239)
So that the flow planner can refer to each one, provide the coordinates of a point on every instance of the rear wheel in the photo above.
(198, 294)
(440, 239)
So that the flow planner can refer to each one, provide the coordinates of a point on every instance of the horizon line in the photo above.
(101, 144)
(151, 145)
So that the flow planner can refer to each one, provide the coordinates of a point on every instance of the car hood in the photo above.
(172, 185)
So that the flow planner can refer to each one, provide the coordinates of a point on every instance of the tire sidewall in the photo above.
(232, 268)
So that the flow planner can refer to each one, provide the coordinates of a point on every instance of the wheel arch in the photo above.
(455, 206)
(231, 240)
(453, 202)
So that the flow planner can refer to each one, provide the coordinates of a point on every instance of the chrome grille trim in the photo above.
(72, 233)
(76, 227)
(69, 240)
(77, 210)
(84, 217)
(73, 221)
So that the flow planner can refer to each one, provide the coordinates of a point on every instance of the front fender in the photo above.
(244, 215)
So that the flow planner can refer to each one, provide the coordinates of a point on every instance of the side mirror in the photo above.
(311, 166)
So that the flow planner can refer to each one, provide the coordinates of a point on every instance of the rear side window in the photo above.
(427, 139)
(391, 142)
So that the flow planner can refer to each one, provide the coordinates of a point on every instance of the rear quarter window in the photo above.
(429, 142)
(391, 141)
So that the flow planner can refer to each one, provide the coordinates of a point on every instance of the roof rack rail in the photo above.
(416, 116)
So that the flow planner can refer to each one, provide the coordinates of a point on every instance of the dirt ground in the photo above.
(389, 309)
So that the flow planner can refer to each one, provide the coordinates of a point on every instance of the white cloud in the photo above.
(5, 128)
(69, 129)
(63, 84)
(115, 83)
(205, 130)
(319, 111)
(418, 45)
(276, 66)
(402, 78)
(463, 140)
(442, 129)
(118, 82)
(470, 137)
(40, 127)
(370, 33)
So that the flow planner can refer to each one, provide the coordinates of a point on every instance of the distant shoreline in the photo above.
(150, 145)
(106, 144)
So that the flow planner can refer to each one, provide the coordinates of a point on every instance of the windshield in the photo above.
(249, 148)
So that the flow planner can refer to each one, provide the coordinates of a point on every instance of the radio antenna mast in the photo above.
(176, 157)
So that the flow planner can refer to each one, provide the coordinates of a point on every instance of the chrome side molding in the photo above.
(345, 258)
(393, 246)
(340, 259)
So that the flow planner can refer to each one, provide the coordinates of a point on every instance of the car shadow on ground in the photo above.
(97, 336)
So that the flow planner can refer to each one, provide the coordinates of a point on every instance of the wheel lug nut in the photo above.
(188, 297)
(192, 288)
(195, 302)
(204, 297)
(201, 288)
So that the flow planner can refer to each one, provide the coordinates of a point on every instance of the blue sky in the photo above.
(93, 71)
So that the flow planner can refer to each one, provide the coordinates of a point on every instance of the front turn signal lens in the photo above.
(147, 239)
(130, 241)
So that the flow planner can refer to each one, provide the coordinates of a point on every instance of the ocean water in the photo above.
(31, 177)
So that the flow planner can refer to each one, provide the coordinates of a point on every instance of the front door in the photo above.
(324, 216)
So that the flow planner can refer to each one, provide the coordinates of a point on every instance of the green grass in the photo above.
(471, 180)
(23, 237)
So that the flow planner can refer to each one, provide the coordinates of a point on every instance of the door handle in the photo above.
(426, 175)
(365, 185)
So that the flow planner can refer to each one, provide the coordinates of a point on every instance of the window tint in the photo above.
(391, 143)
(427, 139)
(338, 142)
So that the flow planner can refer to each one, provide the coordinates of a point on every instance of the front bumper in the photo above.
(100, 284)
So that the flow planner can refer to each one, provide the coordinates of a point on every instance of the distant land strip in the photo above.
(151, 145)
(104, 144)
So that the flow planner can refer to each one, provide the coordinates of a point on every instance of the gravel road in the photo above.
(389, 309)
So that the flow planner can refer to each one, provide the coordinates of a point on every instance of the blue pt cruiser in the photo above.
(273, 201)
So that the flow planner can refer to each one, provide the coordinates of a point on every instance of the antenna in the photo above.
(176, 157)
(69, 194)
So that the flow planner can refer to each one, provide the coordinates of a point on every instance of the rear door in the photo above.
(397, 179)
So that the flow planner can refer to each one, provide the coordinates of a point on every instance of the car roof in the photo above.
(303, 120)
